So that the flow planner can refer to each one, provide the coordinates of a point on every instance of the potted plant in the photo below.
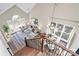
(6, 30)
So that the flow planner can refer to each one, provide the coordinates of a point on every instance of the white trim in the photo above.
(11, 7)
(6, 9)
(33, 7)
(17, 6)
(25, 10)
(72, 20)
(22, 9)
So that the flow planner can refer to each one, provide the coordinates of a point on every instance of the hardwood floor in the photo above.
(26, 51)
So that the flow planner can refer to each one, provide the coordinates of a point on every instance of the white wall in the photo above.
(75, 44)
(26, 6)
(68, 12)
(4, 6)
(3, 48)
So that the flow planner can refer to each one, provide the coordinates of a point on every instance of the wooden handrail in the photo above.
(64, 48)
(57, 44)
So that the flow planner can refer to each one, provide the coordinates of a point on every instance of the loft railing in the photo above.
(52, 48)
(57, 49)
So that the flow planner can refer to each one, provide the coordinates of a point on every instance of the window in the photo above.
(61, 32)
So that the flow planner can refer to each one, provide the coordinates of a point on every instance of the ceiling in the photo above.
(24, 6)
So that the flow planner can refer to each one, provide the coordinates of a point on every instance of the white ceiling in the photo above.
(24, 6)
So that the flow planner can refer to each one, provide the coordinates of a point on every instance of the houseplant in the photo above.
(6, 28)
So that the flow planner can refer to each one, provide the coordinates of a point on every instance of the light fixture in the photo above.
(52, 25)
(53, 12)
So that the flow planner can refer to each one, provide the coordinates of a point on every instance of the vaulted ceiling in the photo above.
(24, 6)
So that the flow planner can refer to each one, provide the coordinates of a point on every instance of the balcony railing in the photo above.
(55, 49)
(52, 48)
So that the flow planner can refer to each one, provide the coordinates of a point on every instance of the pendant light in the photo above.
(53, 12)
